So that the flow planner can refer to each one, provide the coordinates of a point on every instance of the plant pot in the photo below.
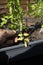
(19, 52)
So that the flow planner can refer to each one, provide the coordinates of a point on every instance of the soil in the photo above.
(36, 35)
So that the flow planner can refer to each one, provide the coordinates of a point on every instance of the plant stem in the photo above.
(20, 22)
(10, 10)
(18, 2)
(25, 43)
(20, 26)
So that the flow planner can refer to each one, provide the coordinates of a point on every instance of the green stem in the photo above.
(20, 22)
(10, 10)
(25, 43)
(18, 2)
(20, 26)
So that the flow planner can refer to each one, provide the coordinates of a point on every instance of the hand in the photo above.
(6, 34)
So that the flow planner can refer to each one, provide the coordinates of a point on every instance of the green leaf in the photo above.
(42, 26)
(4, 21)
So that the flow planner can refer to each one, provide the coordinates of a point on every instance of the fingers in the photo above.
(10, 32)
(4, 34)
(7, 33)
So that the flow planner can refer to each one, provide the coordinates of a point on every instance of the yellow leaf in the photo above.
(20, 34)
(20, 39)
(25, 34)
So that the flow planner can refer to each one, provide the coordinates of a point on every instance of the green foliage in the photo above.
(36, 9)
(4, 21)
(15, 15)
(42, 26)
